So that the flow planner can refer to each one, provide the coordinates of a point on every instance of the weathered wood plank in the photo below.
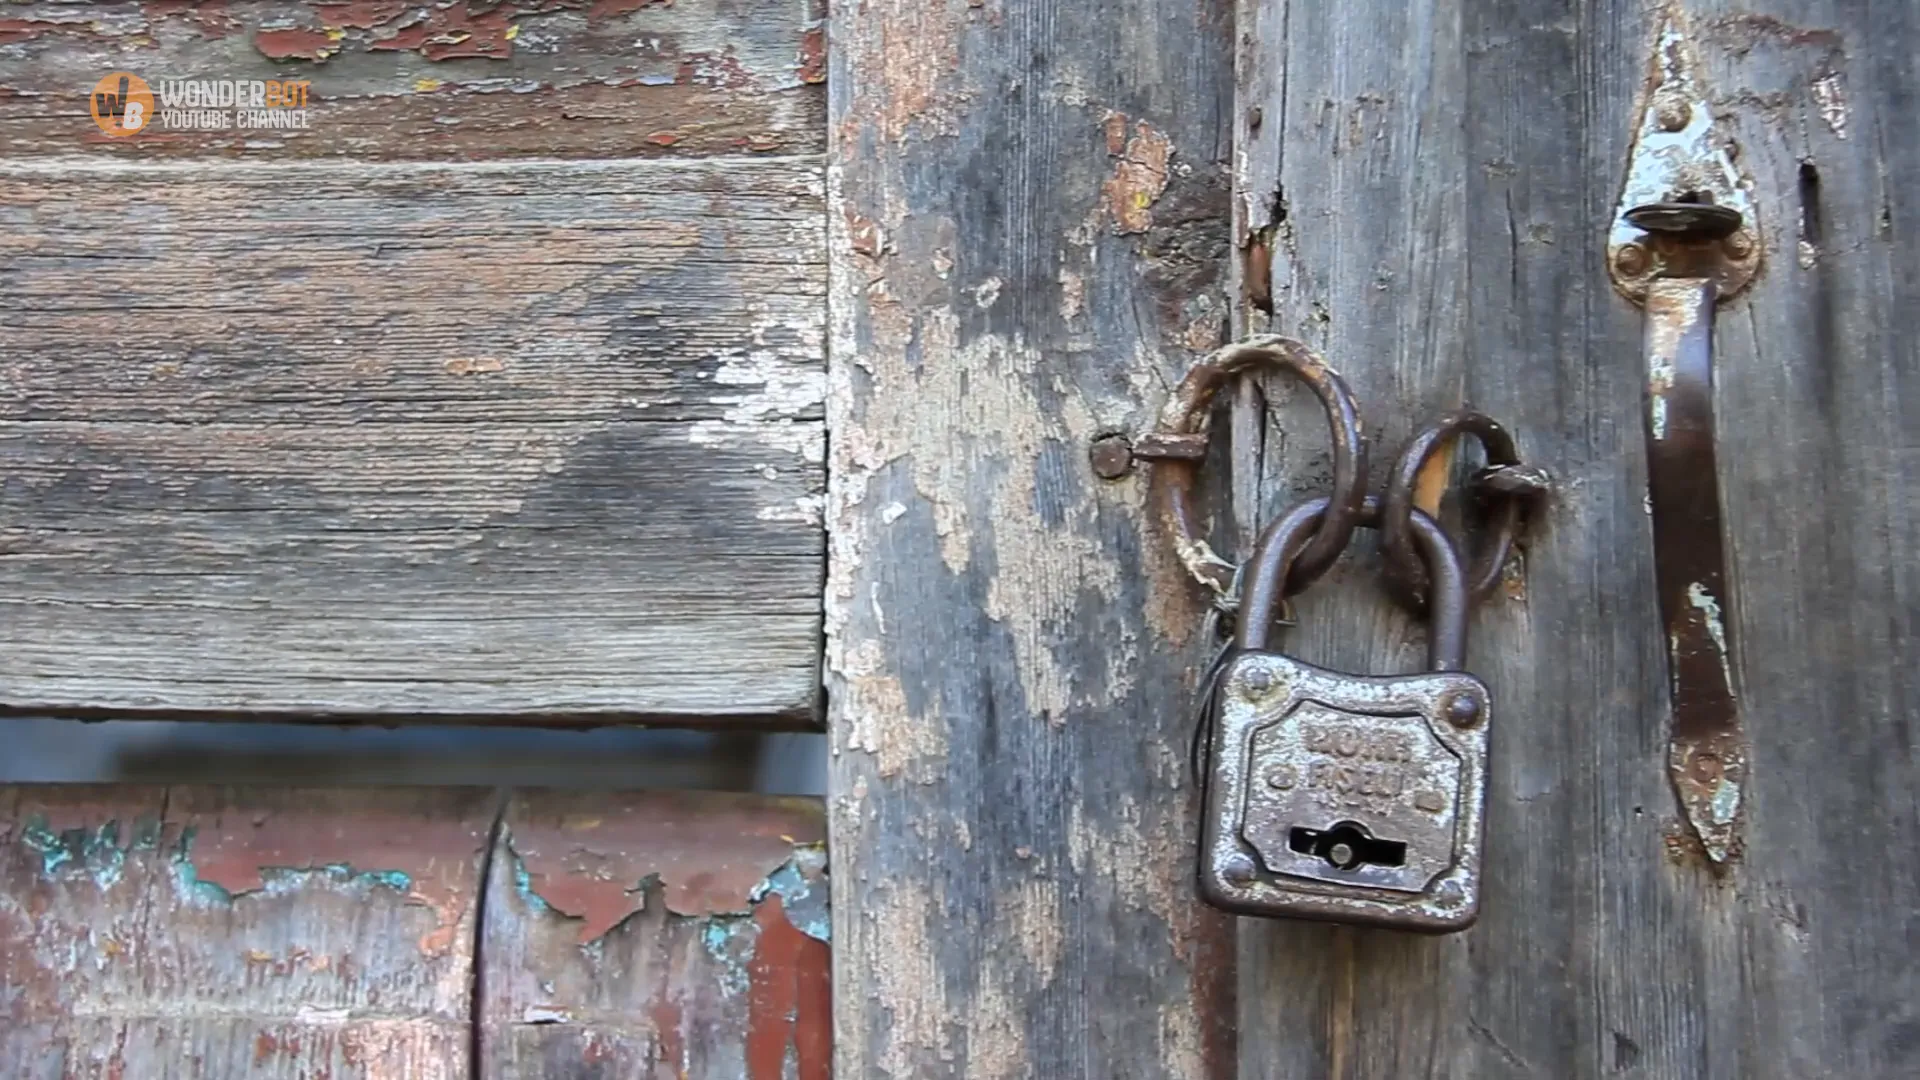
(1448, 172)
(201, 932)
(1029, 243)
(204, 932)
(672, 936)
(540, 440)
(442, 80)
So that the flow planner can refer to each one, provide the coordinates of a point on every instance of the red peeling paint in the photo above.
(664, 138)
(612, 9)
(12, 30)
(212, 16)
(439, 857)
(295, 43)
(362, 14)
(667, 1018)
(789, 999)
(589, 857)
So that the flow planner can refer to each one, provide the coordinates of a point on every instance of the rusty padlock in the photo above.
(1347, 798)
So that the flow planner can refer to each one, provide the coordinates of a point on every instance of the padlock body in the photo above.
(1345, 798)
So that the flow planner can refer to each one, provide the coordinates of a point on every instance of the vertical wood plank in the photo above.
(1448, 171)
(1029, 215)
(678, 936)
(197, 932)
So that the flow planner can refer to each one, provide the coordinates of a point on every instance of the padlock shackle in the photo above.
(1280, 541)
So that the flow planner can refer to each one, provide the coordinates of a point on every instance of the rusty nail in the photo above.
(1463, 709)
(1112, 456)
(1631, 260)
(1740, 244)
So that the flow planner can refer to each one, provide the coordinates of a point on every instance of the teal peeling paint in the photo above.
(96, 850)
(280, 879)
(523, 884)
(803, 899)
(730, 941)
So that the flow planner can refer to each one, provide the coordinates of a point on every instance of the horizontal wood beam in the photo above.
(293, 933)
(516, 441)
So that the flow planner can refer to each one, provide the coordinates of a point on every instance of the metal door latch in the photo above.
(1683, 239)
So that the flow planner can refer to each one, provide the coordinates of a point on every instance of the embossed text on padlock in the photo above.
(1347, 798)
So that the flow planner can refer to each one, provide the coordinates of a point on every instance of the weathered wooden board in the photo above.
(191, 932)
(1029, 238)
(671, 935)
(534, 440)
(1438, 178)
(412, 79)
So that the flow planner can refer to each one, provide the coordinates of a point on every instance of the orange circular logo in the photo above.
(122, 104)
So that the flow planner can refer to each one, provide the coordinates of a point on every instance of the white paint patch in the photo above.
(1710, 614)
(1832, 97)
(1809, 255)
(805, 510)
(545, 1014)
(790, 386)
(985, 293)
(1726, 803)
(313, 1014)
(891, 513)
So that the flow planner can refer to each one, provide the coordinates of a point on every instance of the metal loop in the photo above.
(1447, 634)
(1406, 575)
(1188, 413)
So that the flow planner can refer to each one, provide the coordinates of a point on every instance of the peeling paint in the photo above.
(1704, 602)
(1830, 93)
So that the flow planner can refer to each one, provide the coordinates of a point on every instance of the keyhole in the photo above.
(1347, 845)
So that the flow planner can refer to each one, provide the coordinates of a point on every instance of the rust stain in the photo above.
(664, 138)
(813, 55)
(594, 861)
(1138, 178)
(788, 1000)
(297, 43)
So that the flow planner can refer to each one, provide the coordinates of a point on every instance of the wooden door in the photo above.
(1043, 213)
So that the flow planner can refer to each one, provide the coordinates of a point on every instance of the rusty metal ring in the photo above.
(1180, 441)
(1406, 572)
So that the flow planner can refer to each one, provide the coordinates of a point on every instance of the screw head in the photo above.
(1632, 260)
(1340, 855)
(1463, 709)
(1237, 869)
(1258, 681)
(1673, 114)
(1111, 456)
(1740, 244)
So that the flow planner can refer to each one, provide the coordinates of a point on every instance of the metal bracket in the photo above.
(1680, 161)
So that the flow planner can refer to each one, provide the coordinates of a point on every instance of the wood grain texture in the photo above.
(297, 933)
(539, 440)
(1029, 242)
(1448, 172)
(448, 79)
(193, 933)
(671, 936)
